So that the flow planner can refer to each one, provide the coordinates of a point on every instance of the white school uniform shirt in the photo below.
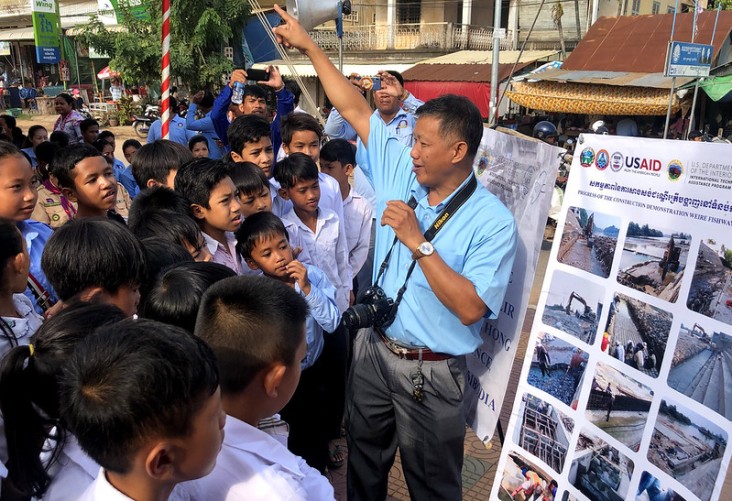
(232, 259)
(102, 490)
(358, 215)
(72, 472)
(328, 249)
(253, 466)
(330, 196)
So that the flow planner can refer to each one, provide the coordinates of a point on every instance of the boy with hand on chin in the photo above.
(86, 178)
(215, 206)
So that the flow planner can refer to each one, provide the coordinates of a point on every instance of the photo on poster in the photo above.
(653, 260)
(651, 488)
(619, 405)
(711, 286)
(637, 333)
(524, 480)
(701, 367)
(557, 368)
(599, 470)
(588, 241)
(688, 447)
(543, 431)
(574, 306)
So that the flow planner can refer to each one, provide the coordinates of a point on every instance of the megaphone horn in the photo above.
(311, 13)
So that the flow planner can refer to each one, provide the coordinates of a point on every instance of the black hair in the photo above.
(196, 179)
(60, 138)
(8, 150)
(255, 228)
(207, 100)
(255, 90)
(156, 160)
(294, 122)
(45, 154)
(247, 129)
(248, 178)
(198, 138)
(100, 144)
(69, 100)
(131, 142)
(31, 132)
(106, 134)
(29, 390)
(294, 89)
(339, 150)
(294, 168)
(101, 399)
(250, 322)
(11, 244)
(17, 138)
(67, 159)
(176, 292)
(459, 118)
(92, 252)
(168, 226)
(86, 123)
(159, 255)
(155, 199)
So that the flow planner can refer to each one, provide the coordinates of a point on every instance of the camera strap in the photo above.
(457, 201)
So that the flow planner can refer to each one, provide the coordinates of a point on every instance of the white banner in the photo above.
(521, 173)
(626, 388)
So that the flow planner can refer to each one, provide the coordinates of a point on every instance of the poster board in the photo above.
(626, 387)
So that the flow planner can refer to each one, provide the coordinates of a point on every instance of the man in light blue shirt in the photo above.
(204, 126)
(178, 131)
(407, 379)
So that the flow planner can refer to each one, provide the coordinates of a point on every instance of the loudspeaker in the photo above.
(311, 13)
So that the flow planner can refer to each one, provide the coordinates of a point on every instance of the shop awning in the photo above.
(478, 92)
(13, 34)
(612, 78)
(717, 87)
(590, 99)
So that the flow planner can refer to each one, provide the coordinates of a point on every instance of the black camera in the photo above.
(374, 309)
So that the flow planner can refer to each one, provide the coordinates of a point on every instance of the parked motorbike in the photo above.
(142, 123)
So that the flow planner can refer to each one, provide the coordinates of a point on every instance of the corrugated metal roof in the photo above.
(458, 72)
(307, 70)
(614, 78)
(638, 43)
(486, 56)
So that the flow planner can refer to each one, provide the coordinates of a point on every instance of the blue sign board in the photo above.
(48, 55)
(685, 59)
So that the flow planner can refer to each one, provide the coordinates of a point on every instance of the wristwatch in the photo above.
(423, 249)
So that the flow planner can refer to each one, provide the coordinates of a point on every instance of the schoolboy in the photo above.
(118, 165)
(18, 197)
(198, 145)
(95, 259)
(215, 205)
(148, 441)
(256, 328)
(126, 178)
(89, 130)
(86, 178)
(337, 159)
(157, 163)
(319, 227)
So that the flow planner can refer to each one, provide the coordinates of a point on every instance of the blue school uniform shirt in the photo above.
(479, 242)
(323, 316)
(178, 131)
(205, 127)
(32, 155)
(127, 180)
(36, 235)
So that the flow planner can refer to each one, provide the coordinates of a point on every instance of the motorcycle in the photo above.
(142, 123)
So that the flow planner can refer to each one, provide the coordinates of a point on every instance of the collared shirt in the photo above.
(362, 184)
(296, 242)
(178, 131)
(205, 127)
(330, 196)
(23, 326)
(70, 125)
(36, 235)
(220, 254)
(323, 315)
(102, 490)
(357, 213)
(71, 473)
(32, 155)
(479, 242)
(328, 249)
(254, 466)
(127, 179)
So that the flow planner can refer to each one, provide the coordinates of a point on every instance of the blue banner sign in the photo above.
(685, 59)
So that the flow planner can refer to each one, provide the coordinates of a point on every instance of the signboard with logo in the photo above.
(520, 172)
(46, 31)
(625, 388)
(685, 59)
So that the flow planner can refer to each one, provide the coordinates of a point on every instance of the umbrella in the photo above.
(106, 73)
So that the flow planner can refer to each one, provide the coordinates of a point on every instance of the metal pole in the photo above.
(696, 85)
(493, 118)
(693, 106)
(673, 80)
(339, 32)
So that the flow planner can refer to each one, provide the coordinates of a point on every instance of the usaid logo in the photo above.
(616, 161)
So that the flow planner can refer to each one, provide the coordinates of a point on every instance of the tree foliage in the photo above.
(199, 32)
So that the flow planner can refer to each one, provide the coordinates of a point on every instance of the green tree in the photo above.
(199, 32)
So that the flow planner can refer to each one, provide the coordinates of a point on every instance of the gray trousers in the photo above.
(381, 415)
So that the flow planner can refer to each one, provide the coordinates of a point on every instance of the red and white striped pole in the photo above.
(166, 71)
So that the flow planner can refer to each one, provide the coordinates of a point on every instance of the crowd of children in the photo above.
(171, 328)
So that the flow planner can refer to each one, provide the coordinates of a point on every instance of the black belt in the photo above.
(407, 353)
